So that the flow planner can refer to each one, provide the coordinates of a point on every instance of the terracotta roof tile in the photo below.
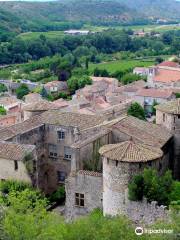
(41, 105)
(82, 121)
(20, 128)
(172, 107)
(129, 151)
(168, 64)
(85, 172)
(145, 132)
(167, 74)
(14, 151)
(153, 92)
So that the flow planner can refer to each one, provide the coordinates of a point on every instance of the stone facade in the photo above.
(89, 184)
(8, 171)
(172, 122)
(116, 177)
(146, 213)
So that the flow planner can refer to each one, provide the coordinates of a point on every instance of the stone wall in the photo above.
(87, 183)
(165, 119)
(146, 213)
(8, 171)
(116, 177)
(172, 122)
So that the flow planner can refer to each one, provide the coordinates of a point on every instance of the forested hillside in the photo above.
(45, 16)
(17, 17)
(156, 8)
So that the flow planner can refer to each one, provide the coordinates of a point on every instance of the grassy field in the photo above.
(146, 28)
(34, 35)
(121, 65)
(56, 34)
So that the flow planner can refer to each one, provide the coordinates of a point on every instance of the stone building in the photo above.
(120, 163)
(148, 96)
(64, 142)
(133, 145)
(168, 115)
(74, 147)
(84, 193)
(19, 162)
(163, 77)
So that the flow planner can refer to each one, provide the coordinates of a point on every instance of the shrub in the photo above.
(2, 110)
(12, 185)
(22, 90)
(136, 188)
(76, 82)
(136, 110)
(3, 88)
(58, 196)
(153, 187)
(130, 77)
(175, 193)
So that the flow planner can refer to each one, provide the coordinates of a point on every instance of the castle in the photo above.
(94, 156)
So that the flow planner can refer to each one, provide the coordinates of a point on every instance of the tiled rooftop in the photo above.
(14, 151)
(6, 101)
(130, 152)
(145, 132)
(54, 117)
(168, 64)
(172, 107)
(20, 128)
(154, 92)
(85, 172)
(41, 105)
(82, 121)
(167, 74)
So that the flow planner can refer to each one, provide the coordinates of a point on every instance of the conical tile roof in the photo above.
(129, 151)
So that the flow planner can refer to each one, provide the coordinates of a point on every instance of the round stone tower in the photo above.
(120, 163)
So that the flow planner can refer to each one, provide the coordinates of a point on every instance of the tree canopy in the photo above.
(22, 90)
(136, 110)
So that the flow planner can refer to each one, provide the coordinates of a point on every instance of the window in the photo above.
(164, 117)
(116, 163)
(67, 153)
(53, 151)
(61, 135)
(61, 176)
(15, 165)
(79, 199)
(150, 163)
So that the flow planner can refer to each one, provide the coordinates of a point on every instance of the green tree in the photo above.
(44, 93)
(153, 187)
(2, 110)
(177, 95)
(175, 193)
(77, 82)
(136, 188)
(26, 218)
(3, 88)
(136, 110)
(22, 90)
(130, 77)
